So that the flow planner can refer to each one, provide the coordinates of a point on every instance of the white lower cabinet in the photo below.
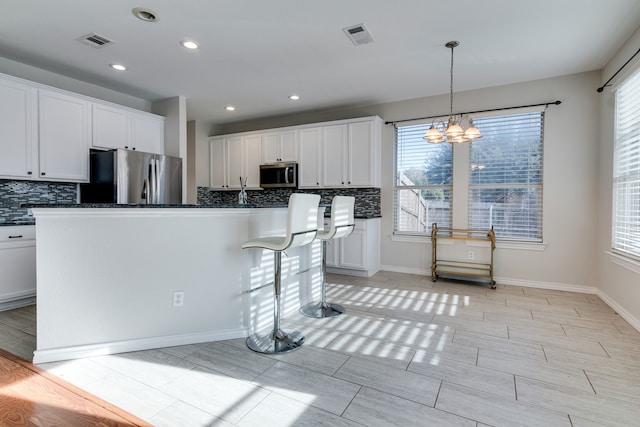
(357, 254)
(17, 266)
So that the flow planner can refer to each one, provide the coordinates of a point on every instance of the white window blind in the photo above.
(423, 182)
(626, 169)
(505, 177)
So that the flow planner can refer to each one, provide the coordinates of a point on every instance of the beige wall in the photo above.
(619, 284)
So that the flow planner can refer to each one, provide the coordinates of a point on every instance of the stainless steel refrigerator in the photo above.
(133, 177)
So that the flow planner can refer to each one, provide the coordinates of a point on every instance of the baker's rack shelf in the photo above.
(450, 266)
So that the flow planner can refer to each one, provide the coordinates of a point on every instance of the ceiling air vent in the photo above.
(95, 40)
(358, 34)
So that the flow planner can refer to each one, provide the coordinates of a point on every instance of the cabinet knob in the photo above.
(29, 173)
(126, 147)
(42, 173)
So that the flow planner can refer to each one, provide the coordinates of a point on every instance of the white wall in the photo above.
(619, 285)
(570, 161)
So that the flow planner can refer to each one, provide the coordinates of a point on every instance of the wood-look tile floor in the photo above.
(408, 352)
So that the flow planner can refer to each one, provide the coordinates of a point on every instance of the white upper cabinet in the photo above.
(64, 134)
(340, 154)
(234, 157)
(348, 155)
(147, 133)
(309, 152)
(110, 127)
(279, 146)
(115, 127)
(46, 133)
(334, 156)
(18, 130)
(363, 153)
(252, 159)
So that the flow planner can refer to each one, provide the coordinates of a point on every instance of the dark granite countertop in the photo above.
(172, 206)
(16, 223)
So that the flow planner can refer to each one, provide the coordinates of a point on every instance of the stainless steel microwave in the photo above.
(279, 175)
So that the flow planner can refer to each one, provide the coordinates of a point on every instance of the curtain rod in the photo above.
(546, 104)
(601, 88)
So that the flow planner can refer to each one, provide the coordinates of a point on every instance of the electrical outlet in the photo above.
(178, 298)
(471, 255)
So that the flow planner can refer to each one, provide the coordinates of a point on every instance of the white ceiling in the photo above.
(254, 53)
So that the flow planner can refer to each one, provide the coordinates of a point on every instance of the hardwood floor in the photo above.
(408, 352)
(30, 396)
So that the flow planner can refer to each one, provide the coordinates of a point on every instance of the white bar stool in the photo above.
(302, 226)
(342, 224)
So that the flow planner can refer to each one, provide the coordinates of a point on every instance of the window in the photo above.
(505, 177)
(504, 181)
(626, 169)
(423, 182)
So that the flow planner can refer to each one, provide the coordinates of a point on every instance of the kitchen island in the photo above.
(127, 278)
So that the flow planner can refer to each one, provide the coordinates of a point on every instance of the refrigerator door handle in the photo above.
(145, 191)
(156, 181)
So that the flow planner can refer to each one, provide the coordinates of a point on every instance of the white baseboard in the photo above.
(633, 321)
(396, 269)
(76, 352)
(546, 285)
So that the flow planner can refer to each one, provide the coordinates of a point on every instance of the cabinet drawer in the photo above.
(17, 233)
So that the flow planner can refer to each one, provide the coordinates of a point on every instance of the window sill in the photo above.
(625, 262)
(522, 246)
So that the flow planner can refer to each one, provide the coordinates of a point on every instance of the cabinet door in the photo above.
(217, 163)
(235, 158)
(64, 137)
(110, 127)
(334, 141)
(147, 133)
(252, 160)
(270, 147)
(353, 250)
(309, 142)
(288, 152)
(18, 130)
(363, 164)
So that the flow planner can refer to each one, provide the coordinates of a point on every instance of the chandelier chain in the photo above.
(451, 86)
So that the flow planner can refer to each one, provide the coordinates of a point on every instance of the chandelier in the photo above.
(452, 131)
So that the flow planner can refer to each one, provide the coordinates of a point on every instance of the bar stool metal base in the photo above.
(275, 342)
(322, 309)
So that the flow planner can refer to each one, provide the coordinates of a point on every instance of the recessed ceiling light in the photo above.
(294, 97)
(118, 67)
(189, 44)
(145, 14)
(230, 108)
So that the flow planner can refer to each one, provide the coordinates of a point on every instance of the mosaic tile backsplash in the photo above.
(14, 193)
(367, 204)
